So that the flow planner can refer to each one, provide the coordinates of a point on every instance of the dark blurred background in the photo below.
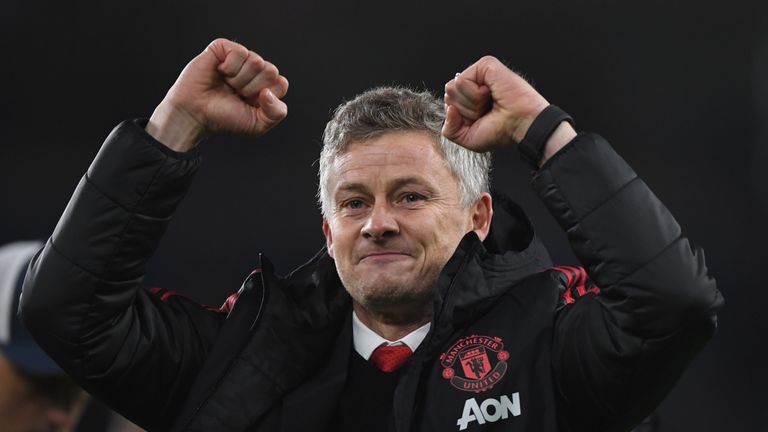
(679, 88)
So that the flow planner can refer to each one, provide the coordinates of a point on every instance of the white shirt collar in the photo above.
(365, 340)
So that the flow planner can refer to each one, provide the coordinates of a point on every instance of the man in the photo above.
(420, 260)
(35, 395)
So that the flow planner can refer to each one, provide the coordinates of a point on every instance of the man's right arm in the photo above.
(227, 88)
(83, 300)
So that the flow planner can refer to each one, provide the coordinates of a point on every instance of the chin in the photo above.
(396, 301)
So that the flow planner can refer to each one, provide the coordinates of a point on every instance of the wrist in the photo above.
(564, 134)
(174, 128)
(525, 122)
(549, 132)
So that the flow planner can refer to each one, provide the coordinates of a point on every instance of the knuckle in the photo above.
(217, 43)
(489, 59)
(229, 69)
(270, 71)
(255, 60)
(240, 49)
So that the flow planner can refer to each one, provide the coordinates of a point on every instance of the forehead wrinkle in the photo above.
(364, 155)
(371, 159)
(374, 148)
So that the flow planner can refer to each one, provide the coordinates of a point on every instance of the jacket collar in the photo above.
(479, 272)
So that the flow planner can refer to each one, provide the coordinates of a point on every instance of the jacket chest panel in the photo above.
(510, 385)
(496, 374)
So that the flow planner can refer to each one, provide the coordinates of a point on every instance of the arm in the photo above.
(620, 353)
(617, 354)
(83, 300)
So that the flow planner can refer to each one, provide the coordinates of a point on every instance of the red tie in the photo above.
(390, 358)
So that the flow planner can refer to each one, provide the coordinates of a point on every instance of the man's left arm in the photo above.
(616, 355)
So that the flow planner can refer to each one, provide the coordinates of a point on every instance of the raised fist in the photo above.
(489, 106)
(226, 88)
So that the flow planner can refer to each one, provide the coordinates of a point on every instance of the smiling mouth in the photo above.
(383, 257)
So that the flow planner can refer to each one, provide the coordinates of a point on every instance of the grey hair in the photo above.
(391, 109)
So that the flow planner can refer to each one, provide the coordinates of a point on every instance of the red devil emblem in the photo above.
(475, 363)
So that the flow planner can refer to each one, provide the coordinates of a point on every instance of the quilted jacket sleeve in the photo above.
(83, 298)
(619, 353)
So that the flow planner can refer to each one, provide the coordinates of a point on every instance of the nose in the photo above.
(380, 224)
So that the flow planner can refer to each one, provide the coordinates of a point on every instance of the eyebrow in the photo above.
(394, 185)
(407, 181)
(351, 187)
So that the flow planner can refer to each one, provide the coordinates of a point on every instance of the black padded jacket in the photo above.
(515, 345)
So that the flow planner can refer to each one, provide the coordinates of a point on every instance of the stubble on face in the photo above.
(395, 302)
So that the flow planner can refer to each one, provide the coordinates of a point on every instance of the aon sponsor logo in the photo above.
(490, 410)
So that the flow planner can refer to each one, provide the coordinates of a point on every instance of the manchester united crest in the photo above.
(475, 363)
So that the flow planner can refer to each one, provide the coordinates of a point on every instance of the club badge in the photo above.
(475, 363)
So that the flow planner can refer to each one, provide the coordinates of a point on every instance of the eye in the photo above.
(412, 198)
(354, 204)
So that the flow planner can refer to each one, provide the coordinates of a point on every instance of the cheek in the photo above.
(342, 242)
(449, 232)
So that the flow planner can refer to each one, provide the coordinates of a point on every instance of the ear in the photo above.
(482, 213)
(328, 237)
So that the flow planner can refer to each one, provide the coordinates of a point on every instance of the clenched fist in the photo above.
(489, 106)
(226, 88)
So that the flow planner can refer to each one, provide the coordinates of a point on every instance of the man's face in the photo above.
(34, 404)
(396, 220)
